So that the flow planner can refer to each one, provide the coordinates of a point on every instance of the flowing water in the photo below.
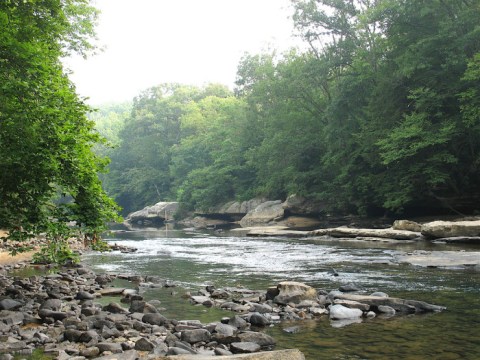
(193, 260)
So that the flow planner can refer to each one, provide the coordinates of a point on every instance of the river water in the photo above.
(193, 260)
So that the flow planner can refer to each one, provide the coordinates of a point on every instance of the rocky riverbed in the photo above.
(61, 313)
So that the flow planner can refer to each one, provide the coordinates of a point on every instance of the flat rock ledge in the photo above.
(292, 354)
(346, 232)
(423, 258)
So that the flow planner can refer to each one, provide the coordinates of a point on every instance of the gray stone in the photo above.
(137, 306)
(88, 336)
(115, 308)
(109, 346)
(84, 295)
(143, 344)
(386, 310)
(258, 320)
(244, 347)
(11, 317)
(177, 351)
(379, 294)
(259, 338)
(52, 304)
(56, 315)
(154, 319)
(225, 330)
(113, 291)
(263, 214)
(238, 322)
(340, 312)
(9, 304)
(90, 352)
(127, 355)
(196, 335)
(72, 335)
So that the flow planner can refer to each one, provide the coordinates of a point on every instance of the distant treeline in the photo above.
(382, 113)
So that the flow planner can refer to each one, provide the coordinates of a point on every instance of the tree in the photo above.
(48, 169)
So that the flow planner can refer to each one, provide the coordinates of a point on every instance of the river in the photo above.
(195, 259)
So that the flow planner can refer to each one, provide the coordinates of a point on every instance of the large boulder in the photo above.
(294, 292)
(263, 214)
(240, 208)
(156, 214)
(446, 229)
(298, 205)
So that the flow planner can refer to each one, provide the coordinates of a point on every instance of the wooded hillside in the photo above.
(381, 114)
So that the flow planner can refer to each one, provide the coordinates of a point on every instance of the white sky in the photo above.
(148, 42)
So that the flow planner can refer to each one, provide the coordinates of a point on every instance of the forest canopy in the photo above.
(381, 113)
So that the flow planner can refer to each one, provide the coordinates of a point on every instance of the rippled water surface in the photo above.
(195, 259)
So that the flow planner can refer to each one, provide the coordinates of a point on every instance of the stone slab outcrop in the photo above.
(389, 233)
(446, 229)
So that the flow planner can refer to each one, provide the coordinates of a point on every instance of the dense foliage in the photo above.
(381, 114)
(48, 171)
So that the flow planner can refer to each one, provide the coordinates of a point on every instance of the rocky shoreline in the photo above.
(59, 313)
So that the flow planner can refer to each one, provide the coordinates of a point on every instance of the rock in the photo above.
(235, 208)
(225, 330)
(9, 304)
(352, 304)
(400, 305)
(56, 315)
(127, 355)
(154, 319)
(52, 304)
(113, 291)
(386, 310)
(90, 352)
(155, 214)
(296, 204)
(258, 319)
(83, 295)
(143, 344)
(244, 347)
(347, 232)
(406, 225)
(72, 335)
(195, 336)
(114, 348)
(115, 308)
(291, 354)
(259, 338)
(300, 222)
(238, 322)
(445, 229)
(379, 294)
(263, 214)
(340, 312)
(11, 317)
(294, 292)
